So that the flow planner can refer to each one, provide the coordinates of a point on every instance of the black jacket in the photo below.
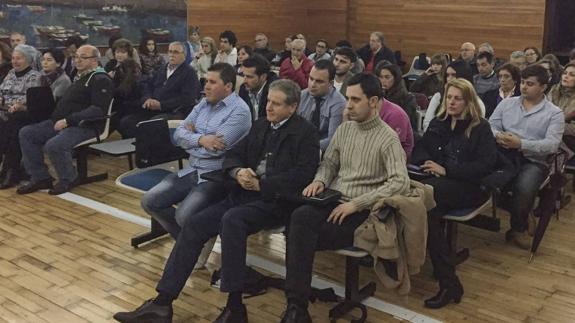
(180, 91)
(384, 53)
(89, 97)
(489, 98)
(244, 94)
(292, 163)
(468, 159)
(266, 52)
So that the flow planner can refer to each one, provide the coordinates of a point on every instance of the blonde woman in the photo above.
(457, 150)
(205, 58)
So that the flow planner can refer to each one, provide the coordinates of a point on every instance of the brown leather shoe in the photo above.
(32, 187)
(147, 312)
(520, 239)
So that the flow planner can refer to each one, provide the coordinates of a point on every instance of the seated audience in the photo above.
(52, 73)
(193, 45)
(244, 52)
(431, 81)
(457, 150)
(518, 59)
(467, 55)
(552, 72)
(395, 91)
(262, 47)
(532, 54)
(170, 94)
(213, 127)
(306, 51)
(109, 55)
(398, 120)
(18, 38)
(150, 57)
(205, 58)
(363, 176)
(5, 60)
(88, 97)
(257, 80)
(486, 79)
(125, 73)
(456, 69)
(321, 104)
(487, 48)
(13, 115)
(321, 51)
(281, 56)
(343, 59)
(358, 66)
(556, 68)
(528, 128)
(259, 177)
(297, 68)
(509, 77)
(563, 96)
(228, 52)
(375, 52)
(71, 46)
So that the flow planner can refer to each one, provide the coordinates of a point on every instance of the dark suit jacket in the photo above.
(244, 94)
(384, 53)
(489, 98)
(293, 161)
(180, 91)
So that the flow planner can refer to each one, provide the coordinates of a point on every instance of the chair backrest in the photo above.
(40, 102)
(106, 131)
(154, 143)
(422, 100)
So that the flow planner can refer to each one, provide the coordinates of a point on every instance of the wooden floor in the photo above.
(61, 262)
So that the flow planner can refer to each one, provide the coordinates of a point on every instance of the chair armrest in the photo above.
(93, 122)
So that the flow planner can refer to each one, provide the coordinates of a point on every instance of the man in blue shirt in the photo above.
(217, 123)
(529, 129)
(321, 103)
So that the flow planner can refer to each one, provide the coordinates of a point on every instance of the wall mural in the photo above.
(48, 23)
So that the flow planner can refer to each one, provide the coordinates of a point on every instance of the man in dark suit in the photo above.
(257, 80)
(170, 94)
(269, 167)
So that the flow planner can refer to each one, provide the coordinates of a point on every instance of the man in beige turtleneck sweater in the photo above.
(365, 162)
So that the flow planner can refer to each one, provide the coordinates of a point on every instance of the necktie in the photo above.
(316, 113)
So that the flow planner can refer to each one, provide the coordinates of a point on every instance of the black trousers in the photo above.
(449, 194)
(9, 142)
(308, 232)
(234, 218)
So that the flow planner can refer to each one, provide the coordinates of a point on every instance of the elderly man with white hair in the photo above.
(13, 114)
(88, 97)
(298, 67)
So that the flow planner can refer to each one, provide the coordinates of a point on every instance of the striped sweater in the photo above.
(365, 162)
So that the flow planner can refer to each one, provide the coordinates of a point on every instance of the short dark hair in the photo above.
(538, 71)
(143, 49)
(347, 52)
(325, 64)
(113, 39)
(227, 73)
(248, 49)
(230, 36)
(74, 40)
(123, 44)
(259, 62)
(512, 69)
(343, 43)
(369, 83)
(486, 55)
(57, 53)
(321, 40)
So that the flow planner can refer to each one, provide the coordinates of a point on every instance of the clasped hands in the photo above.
(508, 140)
(248, 179)
(337, 215)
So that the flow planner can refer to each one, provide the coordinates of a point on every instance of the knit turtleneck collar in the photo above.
(23, 72)
(370, 123)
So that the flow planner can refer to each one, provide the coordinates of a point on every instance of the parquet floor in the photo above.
(62, 262)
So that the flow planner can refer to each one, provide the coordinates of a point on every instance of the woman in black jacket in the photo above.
(457, 150)
(509, 77)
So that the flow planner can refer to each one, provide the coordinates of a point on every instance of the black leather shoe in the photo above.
(11, 179)
(236, 315)
(444, 297)
(295, 314)
(147, 313)
(61, 188)
(32, 187)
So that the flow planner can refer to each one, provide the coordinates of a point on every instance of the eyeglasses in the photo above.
(82, 57)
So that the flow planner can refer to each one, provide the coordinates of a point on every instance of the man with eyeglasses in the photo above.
(87, 98)
(262, 47)
(467, 55)
(170, 94)
(321, 51)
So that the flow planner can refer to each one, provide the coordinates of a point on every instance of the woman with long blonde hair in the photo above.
(456, 151)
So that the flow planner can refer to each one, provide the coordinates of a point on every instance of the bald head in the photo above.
(467, 51)
(87, 58)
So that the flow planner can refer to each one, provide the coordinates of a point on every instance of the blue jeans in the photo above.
(41, 137)
(192, 197)
(525, 188)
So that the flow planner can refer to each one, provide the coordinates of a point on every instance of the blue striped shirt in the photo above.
(230, 118)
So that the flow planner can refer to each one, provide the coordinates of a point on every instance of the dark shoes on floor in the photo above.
(295, 314)
(520, 239)
(32, 186)
(233, 315)
(61, 188)
(445, 296)
(10, 179)
(147, 313)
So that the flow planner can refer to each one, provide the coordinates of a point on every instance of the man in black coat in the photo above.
(375, 52)
(257, 79)
(170, 94)
(269, 167)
